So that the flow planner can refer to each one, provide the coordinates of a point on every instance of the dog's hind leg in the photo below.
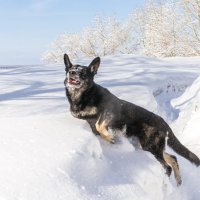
(172, 161)
(160, 157)
(154, 142)
(165, 165)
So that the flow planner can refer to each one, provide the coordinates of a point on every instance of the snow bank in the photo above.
(189, 117)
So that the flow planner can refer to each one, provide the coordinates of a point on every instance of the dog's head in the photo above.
(78, 76)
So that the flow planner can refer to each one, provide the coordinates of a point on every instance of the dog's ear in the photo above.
(94, 65)
(67, 62)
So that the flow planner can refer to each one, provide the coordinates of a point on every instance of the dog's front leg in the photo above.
(102, 128)
(92, 122)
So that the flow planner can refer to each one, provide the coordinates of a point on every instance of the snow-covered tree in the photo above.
(107, 36)
(159, 28)
(162, 28)
(191, 15)
(69, 42)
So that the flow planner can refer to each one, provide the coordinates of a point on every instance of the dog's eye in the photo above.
(72, 72)
(82, 74)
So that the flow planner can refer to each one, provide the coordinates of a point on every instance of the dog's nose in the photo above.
(72, 72)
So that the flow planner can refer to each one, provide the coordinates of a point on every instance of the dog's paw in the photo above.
(179, 181)
(112, 140)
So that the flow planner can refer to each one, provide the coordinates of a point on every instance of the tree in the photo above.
(191, 13)
(107, 36)
(69, 42)
(162, 28)
(159, 28)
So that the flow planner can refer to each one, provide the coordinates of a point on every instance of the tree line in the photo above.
(166, 28)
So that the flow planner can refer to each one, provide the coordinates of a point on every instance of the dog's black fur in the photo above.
(105, 112)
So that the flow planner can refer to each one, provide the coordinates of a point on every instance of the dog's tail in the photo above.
(175, 144)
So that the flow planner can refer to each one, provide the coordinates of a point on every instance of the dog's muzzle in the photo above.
(73, 81)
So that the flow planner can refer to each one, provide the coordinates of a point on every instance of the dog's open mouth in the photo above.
(73, 81)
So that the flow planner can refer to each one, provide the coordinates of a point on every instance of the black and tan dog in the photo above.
(106, 113)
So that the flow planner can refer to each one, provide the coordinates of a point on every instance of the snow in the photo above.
(47, 154)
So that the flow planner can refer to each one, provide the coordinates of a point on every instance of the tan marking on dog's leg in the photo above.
(101, 128)
(173, 163)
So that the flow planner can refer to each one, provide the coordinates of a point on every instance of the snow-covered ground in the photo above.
(46, 154)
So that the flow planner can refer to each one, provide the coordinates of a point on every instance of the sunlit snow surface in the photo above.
(46, 154)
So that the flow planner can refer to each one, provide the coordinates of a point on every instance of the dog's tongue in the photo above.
(72, 81)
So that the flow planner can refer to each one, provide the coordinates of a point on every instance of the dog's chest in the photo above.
(85, 112)
(73, 94)
(79, 105)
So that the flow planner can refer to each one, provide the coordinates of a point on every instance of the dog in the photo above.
(106, 114)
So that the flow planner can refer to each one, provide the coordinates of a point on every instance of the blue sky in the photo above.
(27, 27)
